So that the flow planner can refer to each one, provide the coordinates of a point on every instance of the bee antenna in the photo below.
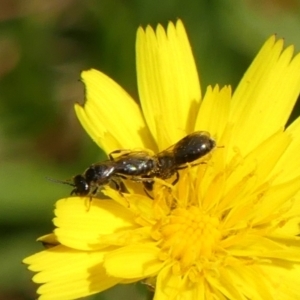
(60, 181)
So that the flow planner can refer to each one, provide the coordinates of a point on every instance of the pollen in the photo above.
(189, 235)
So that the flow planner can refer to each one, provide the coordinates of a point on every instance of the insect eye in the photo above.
(81, 186)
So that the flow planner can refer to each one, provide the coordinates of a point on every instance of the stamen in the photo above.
(189, 235)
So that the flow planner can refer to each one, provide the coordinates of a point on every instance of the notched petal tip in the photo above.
(81, 79)
(106, 102)
(256, 99)
(170, 93)
(81, 223)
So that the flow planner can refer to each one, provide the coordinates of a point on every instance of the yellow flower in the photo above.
(229, 228)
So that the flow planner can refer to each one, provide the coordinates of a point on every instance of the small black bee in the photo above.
(96, 175)
(129, 165)
(141, 166)
(189, 149)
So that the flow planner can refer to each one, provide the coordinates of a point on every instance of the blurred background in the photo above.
(43, 47)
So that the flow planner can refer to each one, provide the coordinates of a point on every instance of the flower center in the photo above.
(189, 235)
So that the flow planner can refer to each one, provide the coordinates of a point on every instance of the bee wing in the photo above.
(126, 153)
(167, 152)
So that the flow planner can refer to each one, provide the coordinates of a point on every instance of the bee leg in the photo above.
(192, 165)
(111, 157)
(89, 203)
(119, 186)
(147, 193)
(176, 179)
(93, 193)
(148, 186)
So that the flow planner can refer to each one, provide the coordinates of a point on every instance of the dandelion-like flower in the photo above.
(229, 228)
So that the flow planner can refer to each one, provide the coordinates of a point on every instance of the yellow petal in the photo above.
(288, 165)
(69, 274)
(110, 115)
(266, 95)
(139, 204)
(81, 223)
(168, 82)
(261, 207)
(290, 228)
(49, 240)
(249, 283)
(221, 287)
(135, 261)
(214, 111)
(255, 246)
(261, 161)
(275, 201)
(168, 286)
(284, 279)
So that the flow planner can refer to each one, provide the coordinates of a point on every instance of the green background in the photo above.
(43, 47)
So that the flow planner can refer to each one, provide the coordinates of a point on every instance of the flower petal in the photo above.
(69, 274)
(110, 115)
(249, 283)
(276, 201)
(285, 279)
(168, 286)
(168, 82)
(257, 165)
(82, 227)
(214, 111)
(222, 286)
(140, 205)
(289, 229)
(288, 167)
(49, 240)
(255, 246)
(266, 95)
(135, 261)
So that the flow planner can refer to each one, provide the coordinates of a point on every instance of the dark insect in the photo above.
(96, 175)
(129, 165)
(188, 150)
(140, 166)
